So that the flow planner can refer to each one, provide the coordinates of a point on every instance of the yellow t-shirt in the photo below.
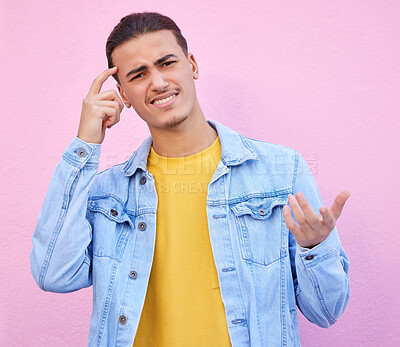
(183, 305)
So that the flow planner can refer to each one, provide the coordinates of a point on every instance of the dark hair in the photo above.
(135, 25)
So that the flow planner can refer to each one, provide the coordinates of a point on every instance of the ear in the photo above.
(195, 67)
(123, 97)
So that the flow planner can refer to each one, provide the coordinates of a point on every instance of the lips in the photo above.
(163, 96)
(166, 102)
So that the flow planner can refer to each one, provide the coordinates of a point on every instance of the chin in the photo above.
(175, 121)
(167, 121)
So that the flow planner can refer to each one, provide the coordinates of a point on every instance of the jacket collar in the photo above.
(235, 149)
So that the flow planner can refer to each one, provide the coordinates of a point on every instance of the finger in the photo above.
(100, 79)
(308, 211)
(339, 202)
(109, 116)
(327, 218)
(298, 214)
(291, 224)
(112, 96)
(110, 103)
(114, 105)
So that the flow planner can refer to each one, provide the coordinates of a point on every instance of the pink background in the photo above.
(321, 77)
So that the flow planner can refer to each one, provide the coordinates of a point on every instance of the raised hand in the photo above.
(99, 110)
(312, 228)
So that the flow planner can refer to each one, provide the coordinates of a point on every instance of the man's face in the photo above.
(157, 79)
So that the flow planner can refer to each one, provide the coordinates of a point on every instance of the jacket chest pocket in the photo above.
(260, 226)
(111, 227)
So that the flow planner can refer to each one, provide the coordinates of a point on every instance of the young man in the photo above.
(190, 242)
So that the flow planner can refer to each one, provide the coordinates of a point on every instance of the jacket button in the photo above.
(113, 212)
(226, 269)
(81, 152)
(133, 274)
(142, 180)
(309, 257)
(122, 319)
(142, 226)
(262, 211)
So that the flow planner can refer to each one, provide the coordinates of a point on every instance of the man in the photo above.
(190, 242)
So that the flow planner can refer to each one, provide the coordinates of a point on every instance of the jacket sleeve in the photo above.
(61, 255)
(320, 274)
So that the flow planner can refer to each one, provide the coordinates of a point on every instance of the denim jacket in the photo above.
(99, 229)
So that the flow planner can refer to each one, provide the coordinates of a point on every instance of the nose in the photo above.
(158, 81)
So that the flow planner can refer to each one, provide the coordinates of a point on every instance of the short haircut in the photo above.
(137, 24)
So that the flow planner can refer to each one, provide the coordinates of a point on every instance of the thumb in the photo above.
(339, 202)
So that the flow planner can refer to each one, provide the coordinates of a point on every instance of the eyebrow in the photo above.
(144, 67)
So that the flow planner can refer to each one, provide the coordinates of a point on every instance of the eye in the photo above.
(137, 76)
(167, 63)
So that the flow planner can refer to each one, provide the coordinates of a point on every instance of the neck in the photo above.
(190, 137)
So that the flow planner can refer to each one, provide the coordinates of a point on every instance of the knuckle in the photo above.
(329, 218)
(88, 100)
(301, 220)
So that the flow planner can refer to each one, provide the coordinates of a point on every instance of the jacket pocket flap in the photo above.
(111, 208)
(259, 208)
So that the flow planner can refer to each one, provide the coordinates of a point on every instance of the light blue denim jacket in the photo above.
(99, 229)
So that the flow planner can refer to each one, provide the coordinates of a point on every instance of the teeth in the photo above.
(163, 101)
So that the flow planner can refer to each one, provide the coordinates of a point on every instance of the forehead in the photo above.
(146, 49)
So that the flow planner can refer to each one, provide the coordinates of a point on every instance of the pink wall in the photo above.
(322, 77)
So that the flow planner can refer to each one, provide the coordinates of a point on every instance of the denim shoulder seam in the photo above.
(113, 167)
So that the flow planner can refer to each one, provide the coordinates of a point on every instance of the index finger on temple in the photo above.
(100, 79)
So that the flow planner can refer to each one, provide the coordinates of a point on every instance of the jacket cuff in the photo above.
(318, 253)
(80, 153)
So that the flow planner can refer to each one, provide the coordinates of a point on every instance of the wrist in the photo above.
(88, 139)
